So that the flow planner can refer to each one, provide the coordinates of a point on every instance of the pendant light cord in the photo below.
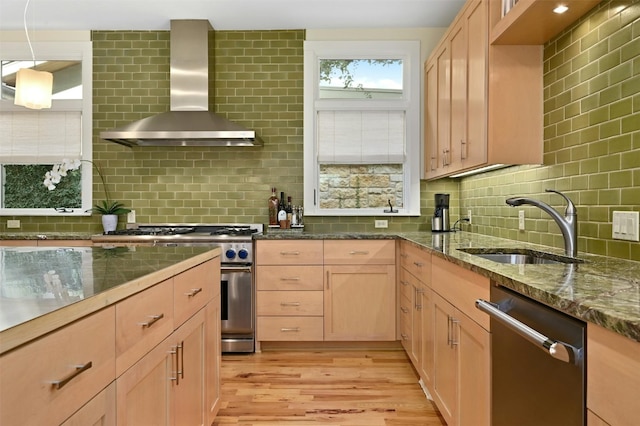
(33, 56)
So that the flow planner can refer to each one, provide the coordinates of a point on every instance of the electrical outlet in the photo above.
(521, 220)
(382, 223)
(625, 226)
(469, 216)
(13, 223)
(131, 216)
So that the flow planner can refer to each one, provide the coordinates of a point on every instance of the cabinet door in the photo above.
(474, 364)
(213, 358)
(431, 119)
(426, 321)
(188, 388)
(458, 47)
(100, 411)
(445, 359)
(474, 149)
(143, 392)
(359, 302)
(443, 63)
(416, 341)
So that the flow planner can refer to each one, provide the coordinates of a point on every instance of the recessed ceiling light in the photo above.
(561, 9)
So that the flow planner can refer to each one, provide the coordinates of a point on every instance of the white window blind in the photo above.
(358, 137)
(40, 137)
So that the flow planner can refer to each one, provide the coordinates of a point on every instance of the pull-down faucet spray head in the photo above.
(568, 224)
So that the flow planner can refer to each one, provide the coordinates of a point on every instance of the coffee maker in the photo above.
(440, 219)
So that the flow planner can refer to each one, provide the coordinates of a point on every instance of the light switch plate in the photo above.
(13, 223)
(521, 220)
(469, 216)
(131, 216)
(381, 223)
(626, 226)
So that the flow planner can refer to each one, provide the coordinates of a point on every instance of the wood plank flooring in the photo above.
(338, 388)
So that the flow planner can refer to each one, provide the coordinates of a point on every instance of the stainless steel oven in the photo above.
(237, 285)
(237, 310)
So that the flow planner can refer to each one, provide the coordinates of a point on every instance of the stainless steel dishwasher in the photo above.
(537, 362)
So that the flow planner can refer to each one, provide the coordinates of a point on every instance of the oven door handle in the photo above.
(559, 350)
(231, 269)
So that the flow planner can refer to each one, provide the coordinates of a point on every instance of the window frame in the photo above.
(409, 52)
(59, 50)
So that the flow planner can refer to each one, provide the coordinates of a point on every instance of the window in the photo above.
(362, 128)
(34, 140)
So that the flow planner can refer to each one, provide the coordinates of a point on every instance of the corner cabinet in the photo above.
(483, 103)
(359, 290)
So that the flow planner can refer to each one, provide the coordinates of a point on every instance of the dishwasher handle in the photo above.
(559, 350)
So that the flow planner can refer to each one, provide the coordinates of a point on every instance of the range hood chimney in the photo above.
(189, 123)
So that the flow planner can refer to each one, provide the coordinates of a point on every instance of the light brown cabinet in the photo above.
(175, 381)
(289, 302)
(332, 290)
(128, 363)
(613, 378)
(461, 345)
(49, 379)
(359, 291)
(479, 115)
(416, 308)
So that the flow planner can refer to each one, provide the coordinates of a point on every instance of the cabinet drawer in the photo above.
(416, 261)
(289, 252)
(290, 328)
(289, 277)
(193, 288)
(27, 390)
(142, 321)
(354, 252)
(461, 288)
(294, 303)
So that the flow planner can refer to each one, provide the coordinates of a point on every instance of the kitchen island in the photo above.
(76, 321)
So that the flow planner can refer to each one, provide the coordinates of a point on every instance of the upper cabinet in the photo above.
(533, 21)
(483, 103)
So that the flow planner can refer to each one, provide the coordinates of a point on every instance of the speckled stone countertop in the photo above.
(35, 281)
(44, 236)
(602, 290)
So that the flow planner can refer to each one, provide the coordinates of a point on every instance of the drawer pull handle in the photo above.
(290, 253)
(418, 264)
(404, 336)
(403, 282)
(58, 384)
(290, 279)
(193, 292)
(364, 252)
(153, 319)
(294, 329)
(404, 255)
(289, 303)
(403, 309)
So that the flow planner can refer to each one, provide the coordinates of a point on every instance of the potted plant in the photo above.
(108, 208)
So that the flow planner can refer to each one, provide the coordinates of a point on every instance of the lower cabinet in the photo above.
(100, 411)
(613, 378)
(359, 302)
(167, 385)
(456, 358)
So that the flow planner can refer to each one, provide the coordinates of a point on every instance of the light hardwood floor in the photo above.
(350, 388)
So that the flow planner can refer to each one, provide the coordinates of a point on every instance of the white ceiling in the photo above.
(226, 14)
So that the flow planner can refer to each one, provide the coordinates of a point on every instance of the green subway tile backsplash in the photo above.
(602, 172)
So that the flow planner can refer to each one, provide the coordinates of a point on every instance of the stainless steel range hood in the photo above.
(189, 123)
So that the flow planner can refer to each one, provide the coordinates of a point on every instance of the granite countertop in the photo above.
(45, 236)
(39, 281)
(602, 290)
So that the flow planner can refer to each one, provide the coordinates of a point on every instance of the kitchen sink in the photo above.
(520, 256)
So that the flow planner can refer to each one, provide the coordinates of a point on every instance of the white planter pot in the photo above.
(109, 222)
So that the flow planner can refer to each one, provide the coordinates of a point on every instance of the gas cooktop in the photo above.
(191, 230)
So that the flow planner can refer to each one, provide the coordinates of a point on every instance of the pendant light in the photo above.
(33, 88)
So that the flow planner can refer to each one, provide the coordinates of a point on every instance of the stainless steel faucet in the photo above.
(568, 224)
